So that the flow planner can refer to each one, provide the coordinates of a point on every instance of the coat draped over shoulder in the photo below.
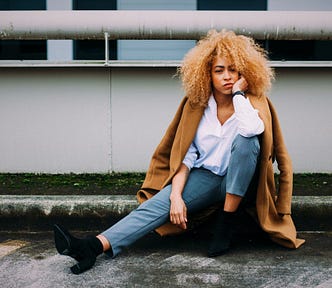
(270, 204)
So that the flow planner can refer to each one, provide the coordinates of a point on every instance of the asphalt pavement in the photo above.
(30, 260)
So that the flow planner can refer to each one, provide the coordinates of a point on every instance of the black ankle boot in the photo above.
(85, 250)
(222, 233)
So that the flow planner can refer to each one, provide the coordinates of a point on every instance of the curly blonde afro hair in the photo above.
(249, 59)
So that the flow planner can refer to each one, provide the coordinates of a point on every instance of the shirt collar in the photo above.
(212, 107)
(212, 104)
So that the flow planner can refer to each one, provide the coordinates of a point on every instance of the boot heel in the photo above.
(82, 266)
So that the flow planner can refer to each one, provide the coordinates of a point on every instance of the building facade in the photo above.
(62, 110)
(67, 50)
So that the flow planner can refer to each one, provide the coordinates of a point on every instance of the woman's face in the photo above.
(223, 76)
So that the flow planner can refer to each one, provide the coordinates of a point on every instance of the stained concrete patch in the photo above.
(192, 280)
(10, 246)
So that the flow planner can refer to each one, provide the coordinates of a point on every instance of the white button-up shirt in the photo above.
(211, 147)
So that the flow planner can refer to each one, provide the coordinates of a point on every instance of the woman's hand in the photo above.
(240, 85)
(178, 212)
(178, 209)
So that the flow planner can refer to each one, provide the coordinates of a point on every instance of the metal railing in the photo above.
(123, 24)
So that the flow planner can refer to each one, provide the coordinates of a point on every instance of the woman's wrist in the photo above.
(239, 92)
(175, 196)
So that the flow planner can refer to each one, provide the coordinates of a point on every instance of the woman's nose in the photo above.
(227, 75)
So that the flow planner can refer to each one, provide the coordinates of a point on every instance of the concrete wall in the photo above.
(55, 120)
(83, 119)
(303, 98)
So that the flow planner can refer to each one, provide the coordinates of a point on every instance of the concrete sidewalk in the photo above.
(29, 259)
(177, 261)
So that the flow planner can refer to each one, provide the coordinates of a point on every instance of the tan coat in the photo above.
(171, 151)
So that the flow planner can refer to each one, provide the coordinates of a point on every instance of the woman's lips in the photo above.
(228, 85)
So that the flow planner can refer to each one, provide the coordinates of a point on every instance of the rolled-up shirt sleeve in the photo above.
(250, 124)
(191, 156)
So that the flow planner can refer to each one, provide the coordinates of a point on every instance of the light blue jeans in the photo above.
(203, 189)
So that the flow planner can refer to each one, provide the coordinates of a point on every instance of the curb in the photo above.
(34, 213)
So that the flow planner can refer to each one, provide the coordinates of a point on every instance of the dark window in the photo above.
(231, 5)
(94, 4)
(299, 50)
(22, 5)
(94, 49)
(23, 49)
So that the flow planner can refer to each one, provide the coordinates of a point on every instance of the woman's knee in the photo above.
(246, 145)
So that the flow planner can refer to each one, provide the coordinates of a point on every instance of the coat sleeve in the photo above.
(284, 195)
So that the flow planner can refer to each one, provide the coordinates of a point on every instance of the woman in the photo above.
(224, 131)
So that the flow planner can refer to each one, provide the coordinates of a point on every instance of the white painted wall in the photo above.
(303, 98)
(61, 120)
(144, 102)
(55, 120)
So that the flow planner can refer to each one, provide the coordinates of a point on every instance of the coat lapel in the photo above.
(262, 106)
(184, 136)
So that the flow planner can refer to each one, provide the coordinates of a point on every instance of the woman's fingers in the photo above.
(240, 84)
(178, 213)
(179, 218)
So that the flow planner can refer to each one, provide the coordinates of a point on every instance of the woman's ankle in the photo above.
(106, 244)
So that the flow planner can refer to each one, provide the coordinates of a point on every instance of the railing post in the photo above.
(106, 49)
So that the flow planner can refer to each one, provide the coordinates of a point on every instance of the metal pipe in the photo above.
(123, 24)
